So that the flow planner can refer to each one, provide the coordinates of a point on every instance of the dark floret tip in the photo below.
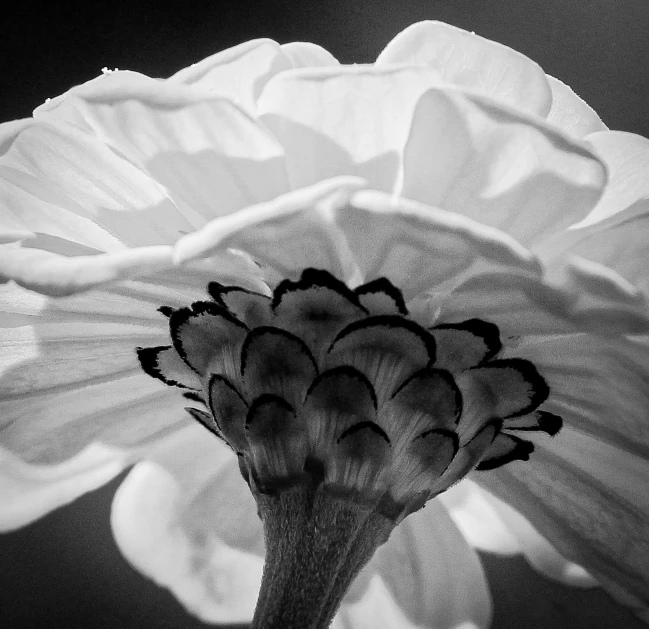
(365, 425)
(393, 322)
(540, 388)
(345, 370)
(267, 330)
(550, 423)
(314, 278)
(488, 332)
(384, 285)
(148, 357)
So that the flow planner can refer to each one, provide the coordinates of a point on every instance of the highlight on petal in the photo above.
(478, 520)
(288, 234)
(28, 492)
(471, 61)
(346, 120)
(571, 113)
(468, 154)
(432, 573)
(171, 530)
(208, 152)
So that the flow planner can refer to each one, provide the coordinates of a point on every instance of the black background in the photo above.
(65, 570)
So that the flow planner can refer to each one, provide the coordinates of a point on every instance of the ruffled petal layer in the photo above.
(29, 492)
(466, 59)
(211, 155)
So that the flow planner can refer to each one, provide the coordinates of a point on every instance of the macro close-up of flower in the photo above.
(345, 324)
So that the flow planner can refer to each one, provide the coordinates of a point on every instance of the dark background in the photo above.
(65, 570)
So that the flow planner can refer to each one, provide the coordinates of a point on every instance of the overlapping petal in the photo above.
(433, 168)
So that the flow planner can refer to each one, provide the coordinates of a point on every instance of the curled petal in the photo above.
(347, 120)
(287, 234)
(60, 276)
(239, 73)
(471, 61)
(470, 155)
(28, 492)
(142, 518)
(571, 113)
(389, 237)
(210, 154)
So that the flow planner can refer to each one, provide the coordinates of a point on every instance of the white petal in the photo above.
(376, 609)
(347, 120)
(469, 155)
(471, 61)
(478, 520)
(616, 232)
(626, 156)
(420, 248)
(571, 113)
(537, 550)
(434, 575)
(60, 275)
(159, 526)
(28, 492)
(290, 233)
(239, 73)
(599, 385)
(210, 155)
(582, 489)
(60, 181)
(306, 54)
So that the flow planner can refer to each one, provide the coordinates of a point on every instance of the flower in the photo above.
(453, 171)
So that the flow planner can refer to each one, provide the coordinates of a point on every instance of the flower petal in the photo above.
(28, 492)
(210, 155)
(60, 276)
(580, 488)
(197, 535)
(306, 55)
(571, 113)
(616, 232)
(478, 520)
(390, 237)
(434, 576)
(541, 555)
(54, 175)
(293, 232)
(347, 120)
(238, 73)
(626, 156)
(598, 385)
(376, 609)
(470, 155)
(471, 61)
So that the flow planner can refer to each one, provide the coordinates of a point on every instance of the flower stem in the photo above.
(316, 543)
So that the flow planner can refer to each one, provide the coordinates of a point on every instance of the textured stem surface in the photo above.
(316, 543)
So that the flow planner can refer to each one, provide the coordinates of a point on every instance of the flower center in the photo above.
(333, 396)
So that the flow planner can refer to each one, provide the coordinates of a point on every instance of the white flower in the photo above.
(454, 167)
